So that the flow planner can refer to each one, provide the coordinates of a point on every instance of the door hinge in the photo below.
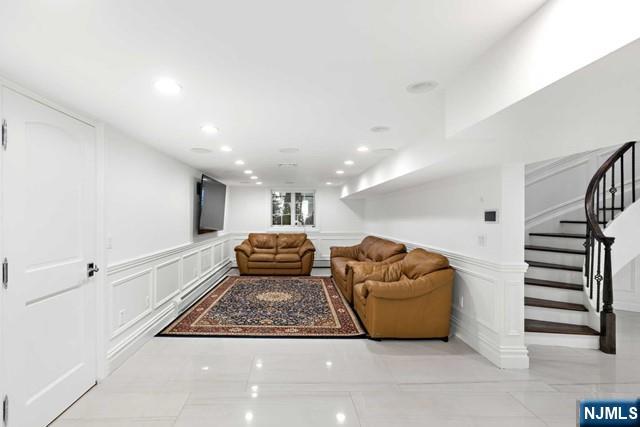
(5, 410)
(5, 273)
(4, 134)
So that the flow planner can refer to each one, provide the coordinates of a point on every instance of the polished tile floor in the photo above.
(352, 382)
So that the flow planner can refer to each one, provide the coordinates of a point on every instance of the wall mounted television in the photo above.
(211, 196)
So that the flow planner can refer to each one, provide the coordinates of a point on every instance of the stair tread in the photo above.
(539, 302)
(553, 284)
(564, 235)
(531, 325)
(552, 249)
(553, 266)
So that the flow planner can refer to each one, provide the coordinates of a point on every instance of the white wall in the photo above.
(447, 216)
(560, 38)
(249, 209)
(149, 199)
(446, 213)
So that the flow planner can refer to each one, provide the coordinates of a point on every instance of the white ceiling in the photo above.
(315, 75)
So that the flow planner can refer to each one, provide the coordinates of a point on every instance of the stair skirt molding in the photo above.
(488, 308)
(146, 293)
(321, 240)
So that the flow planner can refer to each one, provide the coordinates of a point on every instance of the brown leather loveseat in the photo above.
(407, 299)
(275, 254)
(370, 250)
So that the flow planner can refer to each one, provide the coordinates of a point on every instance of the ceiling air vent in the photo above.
(287, 165)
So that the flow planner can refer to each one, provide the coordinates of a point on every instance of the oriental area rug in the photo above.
(244, 306)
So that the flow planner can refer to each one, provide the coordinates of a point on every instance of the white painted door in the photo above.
(49, 223)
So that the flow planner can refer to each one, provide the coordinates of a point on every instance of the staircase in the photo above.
(555, 310)
(568, 286)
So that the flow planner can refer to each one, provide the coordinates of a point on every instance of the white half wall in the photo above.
(447, 216)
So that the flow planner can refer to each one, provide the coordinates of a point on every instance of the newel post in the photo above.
(607, 316)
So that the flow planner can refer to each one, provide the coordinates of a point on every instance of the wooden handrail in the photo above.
(597, 245)
(592, 217)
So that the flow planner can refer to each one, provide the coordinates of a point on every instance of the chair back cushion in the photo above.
(419, 263)
(263, 242)
(288, 243)
(376, 249)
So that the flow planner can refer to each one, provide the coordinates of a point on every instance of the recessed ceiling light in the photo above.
(339, 172)
(167, 86)
(209, 129)
(380, 129)
(329, 183)
(259, 183)
(248, 172)
(289, 150)
(363, 149)
(225, 148)
(239, 162)
(254, 177)
(289, 182)
(349, 162)
(200, 150)
(422, 87)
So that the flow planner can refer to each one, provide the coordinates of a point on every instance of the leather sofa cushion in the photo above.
(290, 240)
(419, 263)
(274, 265)
(376, 249)
(262, 257)
(263, 240)
(288, 257)
(339, 264)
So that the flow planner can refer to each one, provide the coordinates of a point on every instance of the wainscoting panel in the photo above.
(168, 281)
(146, 293)
(190, 269)
(206, 259)
(131, 297)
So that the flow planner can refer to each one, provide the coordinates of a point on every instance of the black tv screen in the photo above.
(212, 196)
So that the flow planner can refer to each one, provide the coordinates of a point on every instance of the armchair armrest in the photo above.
(307, 246)
(345, 251)
(244, 247)
(376, 271)
(406, 289)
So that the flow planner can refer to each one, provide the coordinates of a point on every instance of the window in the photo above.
(293, 208)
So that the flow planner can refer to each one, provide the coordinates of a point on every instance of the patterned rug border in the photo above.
(351, 312)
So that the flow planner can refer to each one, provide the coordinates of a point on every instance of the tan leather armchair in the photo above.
(275, 254)
(407, 299)
(370, 250)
